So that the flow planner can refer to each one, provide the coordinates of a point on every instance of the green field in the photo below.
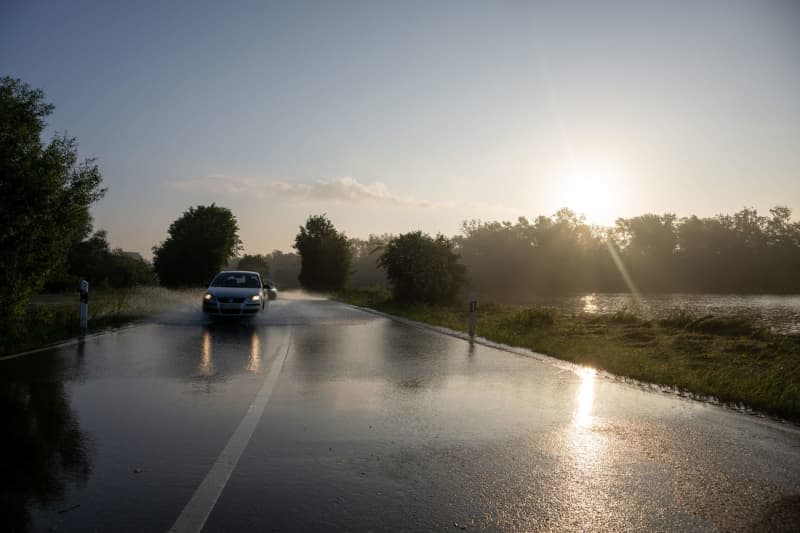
(727, 357)
(54, 317)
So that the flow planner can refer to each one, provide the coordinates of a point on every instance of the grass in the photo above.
(727, 357)
(51, 318)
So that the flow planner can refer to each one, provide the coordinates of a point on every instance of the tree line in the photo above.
(47, 240)
(743, 253)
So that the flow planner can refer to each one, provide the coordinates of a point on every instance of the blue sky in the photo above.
(395, 116)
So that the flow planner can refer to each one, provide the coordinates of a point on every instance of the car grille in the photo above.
(231, 300)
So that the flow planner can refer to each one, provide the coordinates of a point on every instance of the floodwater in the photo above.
(781, 313)
(316, 416)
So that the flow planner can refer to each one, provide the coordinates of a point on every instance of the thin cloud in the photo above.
(344, 190)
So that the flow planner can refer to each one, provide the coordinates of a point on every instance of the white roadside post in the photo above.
(84, 305)
(473, 308)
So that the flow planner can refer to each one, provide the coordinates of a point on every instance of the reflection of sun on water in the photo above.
(206, 367)
(589, 303)
(585, 444)
(254, 363)
(588, 488)
(585, 398)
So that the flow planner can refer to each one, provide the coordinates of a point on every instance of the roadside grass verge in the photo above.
(728, 357)
(51, 318)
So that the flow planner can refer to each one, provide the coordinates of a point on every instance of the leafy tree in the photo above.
(255, 263)
(284, 269)
(93, 260)
(557, 254)
(199, 243)
(325, 255)
(422, 269)
(45, 194)
(88, 259)
(365, 272)
(651, 241)
(127, 269)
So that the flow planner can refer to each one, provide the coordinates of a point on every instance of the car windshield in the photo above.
(236, 279)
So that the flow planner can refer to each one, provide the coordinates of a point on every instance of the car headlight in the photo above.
(255, 298)
(208, 297)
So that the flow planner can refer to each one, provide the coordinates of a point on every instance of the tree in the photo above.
(92, 259)
(649, 253)
(45, 195)
(199, 243)
(284, 269)
(88, 259)
(422, 269)
(127, 269)
(325, 255)
(255, 263)
(556, 254)
(365, 272)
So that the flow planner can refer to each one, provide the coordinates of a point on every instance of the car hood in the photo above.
(233, 292)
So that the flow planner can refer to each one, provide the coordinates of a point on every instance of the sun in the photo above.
(592, 191)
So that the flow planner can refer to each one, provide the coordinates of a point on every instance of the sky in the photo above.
(396, 116)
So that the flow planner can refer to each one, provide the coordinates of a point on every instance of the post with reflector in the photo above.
(473, 310)
(84, 305)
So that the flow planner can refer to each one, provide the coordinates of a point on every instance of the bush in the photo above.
(422, 269)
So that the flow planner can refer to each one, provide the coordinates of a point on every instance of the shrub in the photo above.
(422, 269)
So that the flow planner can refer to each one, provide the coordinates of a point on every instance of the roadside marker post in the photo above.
(473, 309)
(84, 305)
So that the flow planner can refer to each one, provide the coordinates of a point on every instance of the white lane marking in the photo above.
(194, 515)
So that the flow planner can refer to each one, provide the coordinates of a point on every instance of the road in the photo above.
(320, 417)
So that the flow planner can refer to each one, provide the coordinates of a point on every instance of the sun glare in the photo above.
(593, 191)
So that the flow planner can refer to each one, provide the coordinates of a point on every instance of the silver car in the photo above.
(235, 293)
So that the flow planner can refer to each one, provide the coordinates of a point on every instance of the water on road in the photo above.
(317, 416)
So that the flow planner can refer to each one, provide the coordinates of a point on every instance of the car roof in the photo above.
(238, 272)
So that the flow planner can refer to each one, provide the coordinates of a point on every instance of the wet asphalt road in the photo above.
(319, 417)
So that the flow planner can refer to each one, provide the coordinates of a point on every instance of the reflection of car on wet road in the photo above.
(272, 290)
(235, 293)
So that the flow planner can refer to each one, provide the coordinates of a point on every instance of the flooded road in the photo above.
(317, 416)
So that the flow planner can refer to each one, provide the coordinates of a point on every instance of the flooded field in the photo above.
(781, 313)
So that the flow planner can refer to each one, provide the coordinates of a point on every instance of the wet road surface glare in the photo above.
(315, 416)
